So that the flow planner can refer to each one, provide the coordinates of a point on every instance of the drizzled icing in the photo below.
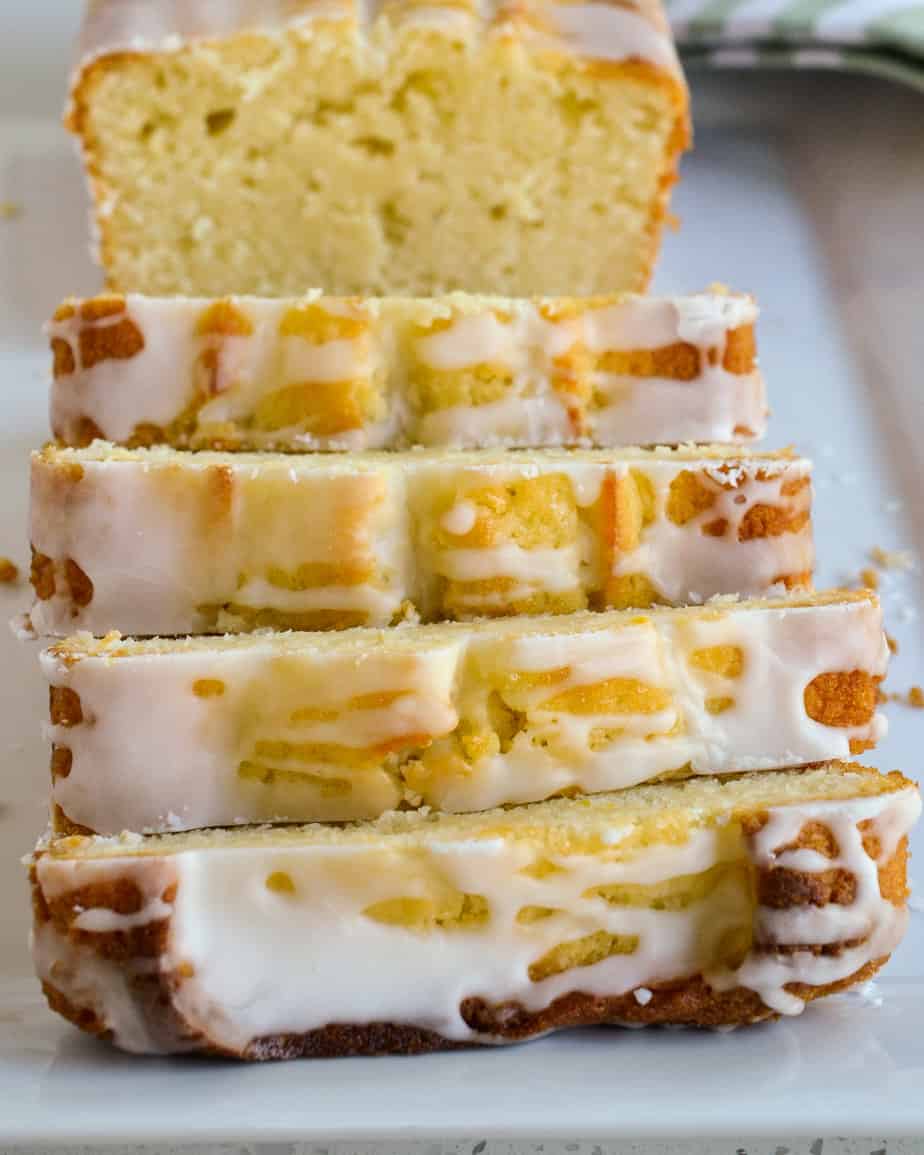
(527, 340)
(345, 726)
(180, 543)
(275, 939)
(873, 923)
(685, 563)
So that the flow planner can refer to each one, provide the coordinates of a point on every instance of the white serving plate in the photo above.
(806, 190)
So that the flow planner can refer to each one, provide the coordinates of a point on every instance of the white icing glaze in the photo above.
(158, 384)
(98, 984)
(716, 407)
(515, 420)
(705, 319)
(473, 335)
(612, 32)
(550, 569)
(154, 754)
(461, 519)
(265, 960)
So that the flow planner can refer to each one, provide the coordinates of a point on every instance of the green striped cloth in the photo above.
(881, 36)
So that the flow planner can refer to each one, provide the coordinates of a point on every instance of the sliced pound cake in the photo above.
(163, 735)
(321, 372)
(158, 541)
(403, 147)
(712, 903)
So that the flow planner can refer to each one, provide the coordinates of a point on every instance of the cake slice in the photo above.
(710, 903)
(165, 542)
(163, 735)
(380, 373)
(514, 147)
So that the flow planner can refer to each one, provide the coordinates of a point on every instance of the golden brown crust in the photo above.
(795, 581)
(64, 706)
(842, 698)
(83, 1017)
(771, 521)
(681, 139)
(740, 351)
(64, 363)
(118, 342)
(688, 1002)
(61, 823)
(679, 362)
(77, 121)
(62, 760)
(42, 575)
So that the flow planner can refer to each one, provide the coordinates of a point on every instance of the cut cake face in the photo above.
(513, 148)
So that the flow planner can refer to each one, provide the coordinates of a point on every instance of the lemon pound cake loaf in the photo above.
(163, 735)
(711, 903)
(381, 373)
(164, 542)
(520, 148)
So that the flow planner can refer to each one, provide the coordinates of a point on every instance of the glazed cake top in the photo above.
(596, 31)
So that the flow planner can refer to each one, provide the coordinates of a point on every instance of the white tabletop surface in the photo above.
(808, 190)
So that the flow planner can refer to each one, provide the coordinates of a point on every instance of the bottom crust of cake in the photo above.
(688, 1003)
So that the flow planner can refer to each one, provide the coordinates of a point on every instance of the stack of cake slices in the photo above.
(554, 735)
(400, 697)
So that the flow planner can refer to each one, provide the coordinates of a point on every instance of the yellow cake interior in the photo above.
(412, 156)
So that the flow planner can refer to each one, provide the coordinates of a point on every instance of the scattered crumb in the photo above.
(642, 996)
(869, 579)
(913, 697)
(672, 222)
(9, 572)
(890, 558)
(892, 643)
(9, 210)
(867, 992)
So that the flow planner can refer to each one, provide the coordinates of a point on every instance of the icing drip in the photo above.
(461, 519)
(686, 563)
(870, 918)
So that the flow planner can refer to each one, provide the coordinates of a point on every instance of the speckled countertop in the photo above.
(483, 1147)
